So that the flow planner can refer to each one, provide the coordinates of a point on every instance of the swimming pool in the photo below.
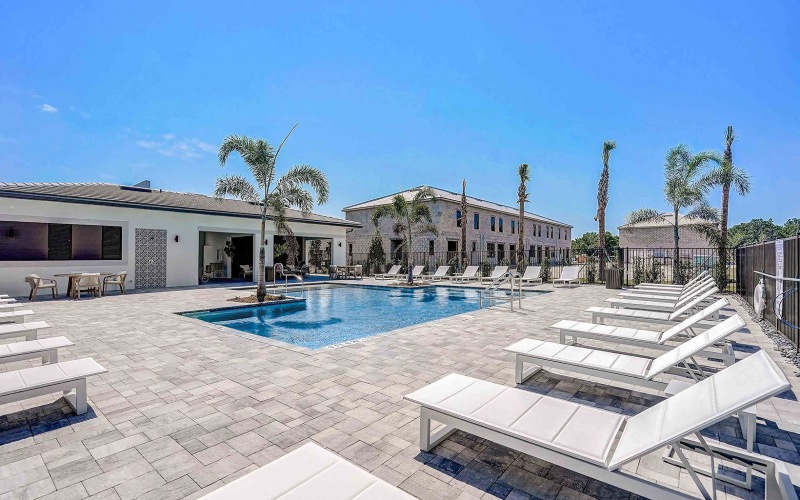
(333, 314)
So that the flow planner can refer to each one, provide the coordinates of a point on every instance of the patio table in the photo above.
(71, 277)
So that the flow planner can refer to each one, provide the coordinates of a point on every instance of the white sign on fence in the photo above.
(779, 275)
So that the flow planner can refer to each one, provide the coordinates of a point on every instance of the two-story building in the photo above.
(492, 230)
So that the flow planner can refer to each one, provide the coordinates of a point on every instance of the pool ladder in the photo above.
(490, 292)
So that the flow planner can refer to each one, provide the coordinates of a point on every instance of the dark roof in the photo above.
(149, 199)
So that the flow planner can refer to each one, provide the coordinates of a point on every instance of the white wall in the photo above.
(182, 256)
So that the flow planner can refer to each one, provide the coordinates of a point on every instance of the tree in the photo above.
(758, 231)
(791, 228)
(463, 224)
(275, 196)
(602, 202)
(411, 218)
(587, 244)
(315, 255)
(726, 175)
(376, 258)
(683, 190)
(524, 175)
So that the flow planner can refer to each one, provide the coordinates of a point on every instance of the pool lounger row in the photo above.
(667, 296)
(15, 316)
(309, 472)
(596, 442)
(666, 293)
(666, 316)
(656, 305)
(666, 286)
(571, 331)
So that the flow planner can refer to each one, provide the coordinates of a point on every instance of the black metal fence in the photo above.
(638, 264)
(762, 257)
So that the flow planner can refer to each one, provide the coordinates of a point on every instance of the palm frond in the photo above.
(740, 180)
(306, 175)
(294, 196)
(524, 173)
(236, 186)
(710, 231)
(381, 212)
(420, 213)
(428, 228)
(424, 194)
(256, 154)
(644, 215)
(704, 212)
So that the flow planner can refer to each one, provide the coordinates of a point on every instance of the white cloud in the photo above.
(48, 108)
(171, 146)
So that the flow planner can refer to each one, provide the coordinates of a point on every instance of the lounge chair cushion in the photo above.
(611, 331)
(739, 386)
(601, 360)
(309, 472)
(12, 328)
(633, 313)
(27, 346)
(42, 376)
(580, 431)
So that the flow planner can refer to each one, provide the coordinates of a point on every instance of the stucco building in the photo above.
(161, 238)
(492, 230)
(658, 235)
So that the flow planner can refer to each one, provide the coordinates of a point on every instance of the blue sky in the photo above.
(394, 95)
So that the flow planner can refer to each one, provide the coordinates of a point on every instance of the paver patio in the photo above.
(188, 406)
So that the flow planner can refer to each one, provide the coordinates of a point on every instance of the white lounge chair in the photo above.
(620, 367)
(666, 293)
(697, 278)
(469, 274)
(416, 272)
(28, 330)
(569, 274)
(571, 331)
(439, 275)
(660, 297)
(66, 376)
(656, 305)
(15, 316)
(532, 275)
(497, 273)
(393, 273)
(600, 314)
(7, 300)
(308, 472)
(596, 442)
(11, 306)
(47, 349)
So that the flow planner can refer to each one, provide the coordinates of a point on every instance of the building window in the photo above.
(531, 252)
(458, 218)
(33, 241)
(430, 247)
(490, 249)
(491, 223)
(501, 251)
(476, 221)
(350, 249)
(559, 233)
(540, 230)
(500, 224)
(512, 251)
(513, 226)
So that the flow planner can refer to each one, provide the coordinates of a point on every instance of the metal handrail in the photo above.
(796, 280)
(507, 277)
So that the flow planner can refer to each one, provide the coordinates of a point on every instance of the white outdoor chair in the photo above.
(38, 283)
(664, 292)
(569, 274)
(600, 314)
(416, 272)
(393, 273)
(439, 275)
(670, 286)
(598, 443)
(245, 271)
(704, 295)
(669, 297)
(532, 275)
(469, 274)
(88, 282)
(497, 273)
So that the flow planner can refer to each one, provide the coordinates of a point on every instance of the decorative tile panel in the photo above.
(151, 258)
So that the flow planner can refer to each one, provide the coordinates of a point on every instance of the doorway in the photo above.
(242, 256)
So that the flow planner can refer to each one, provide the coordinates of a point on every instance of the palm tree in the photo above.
(463, 224)
(725, 175)
(524, 174)
(602, 203)
(411, 218)
(683, 190)
(274, 195)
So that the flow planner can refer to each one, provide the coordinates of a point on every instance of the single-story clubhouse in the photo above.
(161, 238)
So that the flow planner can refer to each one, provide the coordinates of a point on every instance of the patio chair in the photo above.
(671, 286)
(569, 274)
(416, 272)
(38, 283)
(439, 275)
(469, 274)
(88, 282)
(497, 273)
(666, 293)
(532, 275)
(625, 368)
(703, 294)
(310, 471)
(669, 317)
(643, 294)
(598, 443)
(571, 331)
(115, 279)
(245, 271)
(393, 273)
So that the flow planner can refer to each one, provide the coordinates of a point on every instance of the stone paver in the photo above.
(187, 406)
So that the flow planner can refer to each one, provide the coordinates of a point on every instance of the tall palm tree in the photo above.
(275, 196)
(602, 203)
(524, 175)
(411, 218)
(726, 175)
(683, 190)
(463, 262)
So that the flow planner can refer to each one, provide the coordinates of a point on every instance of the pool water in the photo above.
(336, 314)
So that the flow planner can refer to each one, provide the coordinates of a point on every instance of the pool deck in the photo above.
(187, 406)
